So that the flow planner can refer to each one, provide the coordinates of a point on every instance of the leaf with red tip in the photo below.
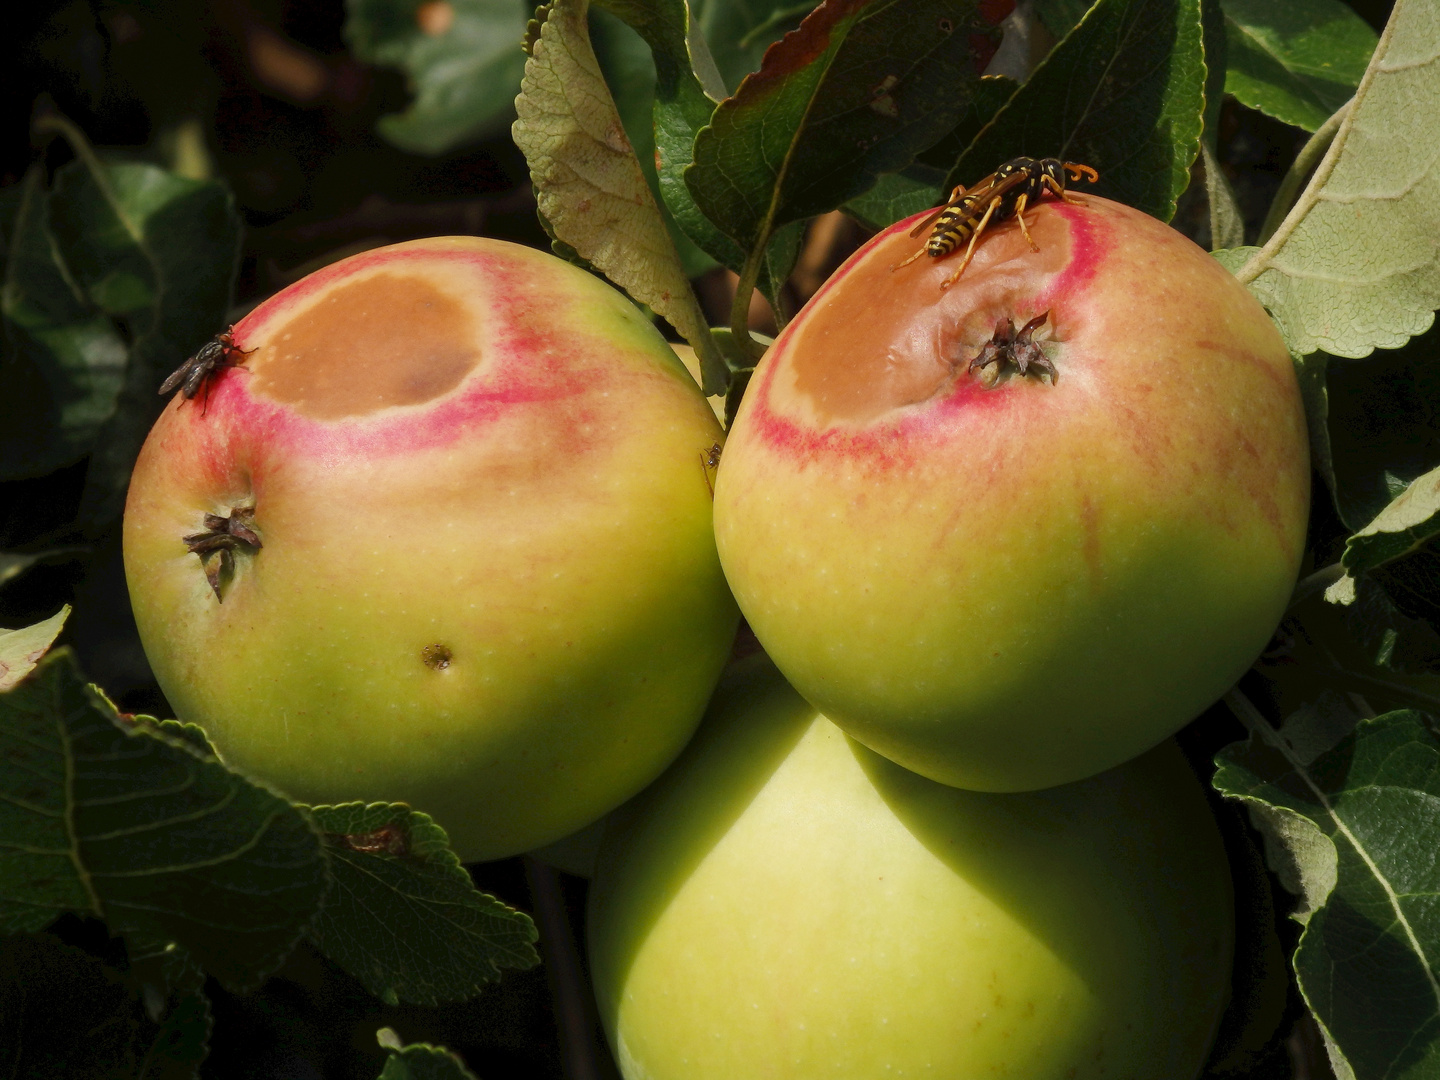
(856, 91)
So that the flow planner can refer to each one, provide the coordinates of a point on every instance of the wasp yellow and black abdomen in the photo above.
(1008, 192)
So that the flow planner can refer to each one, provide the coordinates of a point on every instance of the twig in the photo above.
(1309, 156)
(1314, 583)
(575, 1017)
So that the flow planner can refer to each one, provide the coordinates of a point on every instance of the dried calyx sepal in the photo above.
(1018, 348)
(222, 537)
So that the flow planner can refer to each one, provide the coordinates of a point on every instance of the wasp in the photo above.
(1007, 192)
(195, 374)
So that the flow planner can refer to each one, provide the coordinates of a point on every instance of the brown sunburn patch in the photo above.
(388, 339)
(883, 339)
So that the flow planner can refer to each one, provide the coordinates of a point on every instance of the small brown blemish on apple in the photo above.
(437, 657)
(385, 340)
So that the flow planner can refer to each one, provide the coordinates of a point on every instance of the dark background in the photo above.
(267, 89)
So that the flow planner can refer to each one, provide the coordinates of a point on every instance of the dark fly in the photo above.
(195, 374)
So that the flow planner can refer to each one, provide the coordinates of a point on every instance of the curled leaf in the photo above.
(1355, 265)
(589, 185)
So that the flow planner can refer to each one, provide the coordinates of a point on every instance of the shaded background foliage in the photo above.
(305, 112)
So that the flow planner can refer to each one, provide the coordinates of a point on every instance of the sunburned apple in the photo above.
(1015, 532)
(438, 530)
(784, 904)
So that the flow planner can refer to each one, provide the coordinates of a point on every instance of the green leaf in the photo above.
(64, 362)
(1410, 521)
(21, 650)
(64, 1013)
(856, 91)
(419, 1061)
(589, 185)
(1384, 424)
(991, 94)
(1362, 824)
(403, 916)
(629, 70)
(132, 826)
(896, 196)
(1061, 16)
(1354, 266)
(1312, 373)
(682, 105)
(1390, 637)
(739, 31)
(1298, 61)
(1124, 93)
(463, 66)
(1227, 225)
(182, 1042)
(160, 253)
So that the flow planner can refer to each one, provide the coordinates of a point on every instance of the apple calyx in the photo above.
(1019, 349)
(221, 538)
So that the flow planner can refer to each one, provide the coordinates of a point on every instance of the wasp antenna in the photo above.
(1081, 172)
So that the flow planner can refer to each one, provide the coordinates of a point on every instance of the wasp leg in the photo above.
(1020, 205)
(970, 251)
(908, 261)
(1060, 192)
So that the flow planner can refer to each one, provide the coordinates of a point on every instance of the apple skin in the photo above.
(452, 442)
(1009, 588)
(784, 904)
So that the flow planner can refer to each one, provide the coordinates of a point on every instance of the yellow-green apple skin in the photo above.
(784, 904)
(1011, 587)
(488, 583)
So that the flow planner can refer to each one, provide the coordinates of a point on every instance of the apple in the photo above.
(486, 581)
(784, 904)
(1008, 583)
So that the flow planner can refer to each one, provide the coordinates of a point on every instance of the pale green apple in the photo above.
(487, 584)
(1011, 586)
(784, 904)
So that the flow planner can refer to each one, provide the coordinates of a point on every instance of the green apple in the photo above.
(784, 904)
(1007, 584)
(486, 583)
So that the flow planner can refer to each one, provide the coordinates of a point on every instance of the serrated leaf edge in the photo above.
(1250, 716)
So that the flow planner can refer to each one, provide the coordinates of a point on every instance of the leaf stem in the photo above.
(715, 377)
(1314, 583)
(1304, 163)
(740, 307)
